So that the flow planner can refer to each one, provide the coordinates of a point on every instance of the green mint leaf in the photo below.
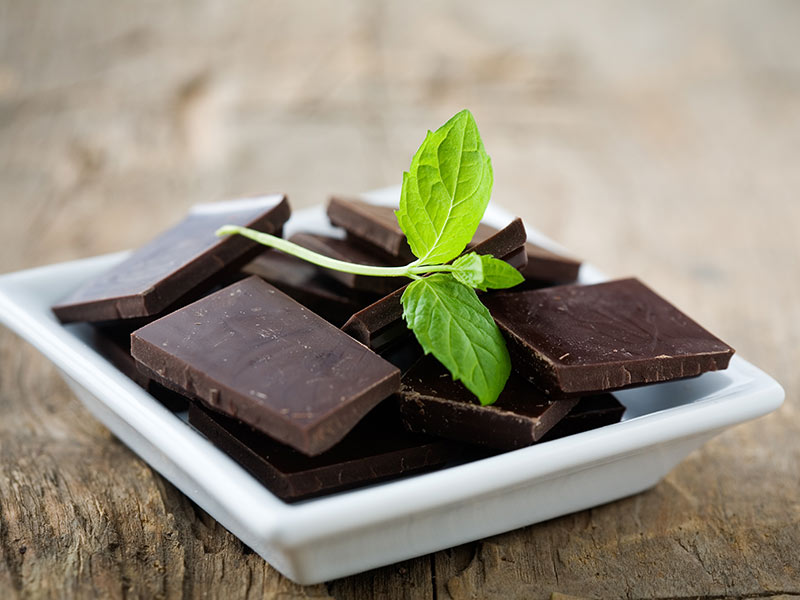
(451, 323)
(485, 272)
(498, 274)
(468, 269)
(445, 191)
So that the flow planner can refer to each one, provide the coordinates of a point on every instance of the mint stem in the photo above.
(410, 270)
(431, 269)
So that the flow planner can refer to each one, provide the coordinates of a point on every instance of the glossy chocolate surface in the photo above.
(170, 266)
(582, 339)
(251, 352)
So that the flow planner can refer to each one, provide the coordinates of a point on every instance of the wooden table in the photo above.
(656, 139)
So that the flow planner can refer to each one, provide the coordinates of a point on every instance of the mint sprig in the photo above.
(445, 191)
(444, 195)
(451, 323)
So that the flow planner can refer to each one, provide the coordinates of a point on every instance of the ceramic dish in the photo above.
(353, 531)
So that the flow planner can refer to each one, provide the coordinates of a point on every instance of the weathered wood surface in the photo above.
(658, 139)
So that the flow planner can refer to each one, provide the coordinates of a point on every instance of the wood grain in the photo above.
(656, 139)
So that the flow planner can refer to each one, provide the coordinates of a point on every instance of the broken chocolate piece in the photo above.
(305, 283)
(432, 402)
(382, 322)
(378, 448)
(349, 252)
(583, 339)
(170, 266)
(591, 412)
(371, 223)
(251, 352)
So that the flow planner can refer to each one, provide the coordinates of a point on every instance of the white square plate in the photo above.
(353, 531)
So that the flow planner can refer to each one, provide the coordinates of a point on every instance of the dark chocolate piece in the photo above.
(224, 278)
(517, 259)
(403, 353)
(382, 322)
(251, 352)
(371, 223)
(378, 448)
(591, 412)
(432, 402)
(115, 345)
(547, 266)
(377, 225)
(349, 252)
(486, 232)
(170, 266)
(577, 340)
(305, 283)
(543, 266)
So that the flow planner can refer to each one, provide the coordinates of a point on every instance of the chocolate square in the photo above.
(581, 339)
(174, 263)
(251, 352)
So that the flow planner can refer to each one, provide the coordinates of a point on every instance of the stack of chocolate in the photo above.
(310, 379)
